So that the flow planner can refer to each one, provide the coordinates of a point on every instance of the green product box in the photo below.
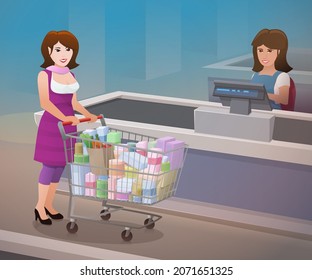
(114, 137)
(151, 144)
(88, 141)
(102, 189)
(165, 166)
(81, 158)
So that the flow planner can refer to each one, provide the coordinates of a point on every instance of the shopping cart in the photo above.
(108, 165)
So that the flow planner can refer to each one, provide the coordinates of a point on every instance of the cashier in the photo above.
(270, 65)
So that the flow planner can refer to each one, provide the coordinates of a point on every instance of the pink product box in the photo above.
(163, 141)
(142, 145)
(154, 160)
(90, 189)
(152, 169)
(90, 183)
(118, 150)
(175, 157)
(112, 185)
(122, 196)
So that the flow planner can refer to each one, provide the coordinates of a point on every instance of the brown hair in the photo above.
(274, 39)
(65, 38)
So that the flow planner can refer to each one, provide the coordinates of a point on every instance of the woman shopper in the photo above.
(57, 89)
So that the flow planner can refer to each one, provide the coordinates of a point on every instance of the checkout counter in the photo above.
(267, 176)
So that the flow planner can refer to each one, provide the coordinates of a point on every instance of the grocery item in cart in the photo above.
(114, 137)
(176, 154)
(124, 188)
(90, 183)
(134, 160)
(131, 172)
(142, 147)
(86, 142)
(112, 184)
(102, 187)
(90, 132)
(116, 168)
(131, 146)
(102, 132)
(162, 142)
(78, 173)
(99, 159)
(151, 144)
(165, 184)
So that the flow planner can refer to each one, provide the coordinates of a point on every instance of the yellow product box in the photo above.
(131, 172)
(137, 188)
(165, 184)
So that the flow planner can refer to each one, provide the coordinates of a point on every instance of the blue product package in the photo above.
(102, 132)
(149, 200)
(124, 185)
(78, 178)
(136, 199)
(134, 160)
(148, 188)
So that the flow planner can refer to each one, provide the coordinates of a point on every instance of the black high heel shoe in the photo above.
(44, 222)
(57, 216)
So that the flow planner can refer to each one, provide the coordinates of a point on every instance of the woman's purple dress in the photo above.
(49, 144)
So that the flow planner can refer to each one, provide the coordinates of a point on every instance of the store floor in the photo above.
(175, 236)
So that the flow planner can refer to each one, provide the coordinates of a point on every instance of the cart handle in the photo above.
(83, 120)
(62, 124)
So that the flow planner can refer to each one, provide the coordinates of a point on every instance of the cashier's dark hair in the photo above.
(273, 39)
(65, 38)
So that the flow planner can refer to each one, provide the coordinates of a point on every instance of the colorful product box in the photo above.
(163, 142)
(149, 200)
(135, 198)
(119, 150)
(112, 183)
(116, 168)
(90, 183)
(134, 160)
(102, 132)
(131, 172)
(176, 153)
(114, 137)
(166, 184)
(102, 187)
(124, 185)
(148, 188)
(136, 188)
(81, 159)
(142, 145)
(78, 173)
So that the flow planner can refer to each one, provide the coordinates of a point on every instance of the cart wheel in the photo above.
(72, 227)
(126, 235)
(105, 215)
(151, 225)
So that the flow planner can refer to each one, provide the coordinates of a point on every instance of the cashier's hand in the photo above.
(74, 120)
(93, 118)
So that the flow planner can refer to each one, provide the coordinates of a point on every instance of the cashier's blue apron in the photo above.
(269, 83)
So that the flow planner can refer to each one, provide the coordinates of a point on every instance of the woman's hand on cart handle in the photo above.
(91, 118)
(71, 120)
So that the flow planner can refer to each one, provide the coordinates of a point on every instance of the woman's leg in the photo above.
(47, 174)
(50, 197)
(42, 196)
(52, 189)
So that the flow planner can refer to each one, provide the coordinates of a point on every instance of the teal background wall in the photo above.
(155, 47)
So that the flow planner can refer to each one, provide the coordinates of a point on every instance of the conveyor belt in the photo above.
(288, 130)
